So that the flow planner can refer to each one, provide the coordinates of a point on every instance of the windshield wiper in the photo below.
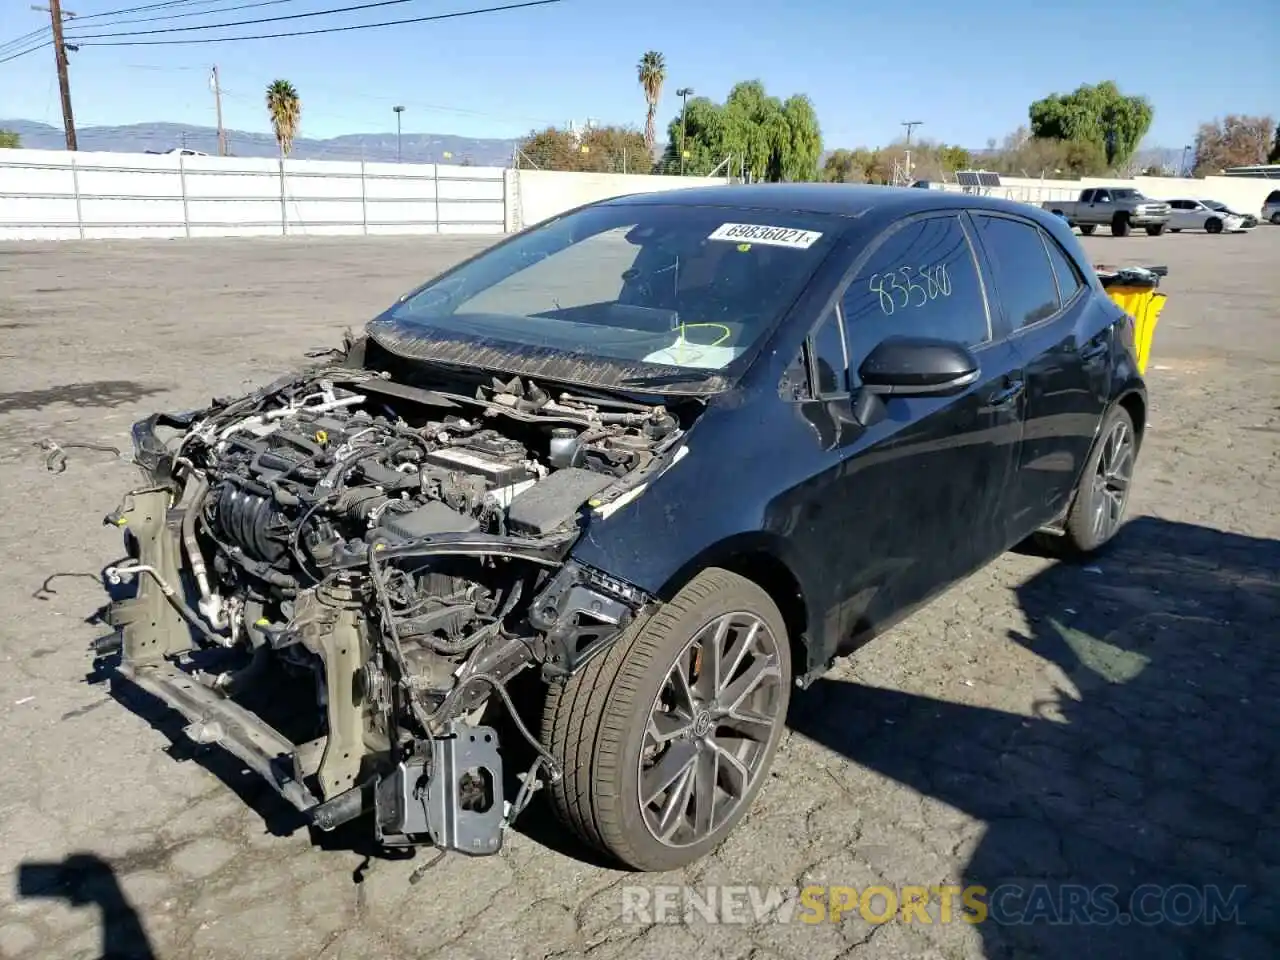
(666, 379)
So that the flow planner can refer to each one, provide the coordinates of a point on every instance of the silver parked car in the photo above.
(1271, 207)
(1199, 215)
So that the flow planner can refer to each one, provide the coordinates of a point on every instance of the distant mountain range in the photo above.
(414, 147)
(140, 137)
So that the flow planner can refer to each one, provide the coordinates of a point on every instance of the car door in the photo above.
(916, 500)
(1100, 206)
(1063, 337)
(1179, 214)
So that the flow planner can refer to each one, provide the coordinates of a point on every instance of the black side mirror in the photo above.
(918, 366)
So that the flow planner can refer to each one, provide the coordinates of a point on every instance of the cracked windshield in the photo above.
(650, 284)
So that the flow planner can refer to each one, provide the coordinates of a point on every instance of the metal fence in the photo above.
(64, 195)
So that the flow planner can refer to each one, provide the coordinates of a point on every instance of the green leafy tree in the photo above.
(595, 150)
(847, 166)
(285, 109)
(9, 140)
(704, 141)
(652, 73)
(1097, 114)
(953, 158)
(1234, 141)
(774, 140)
(1022, 155)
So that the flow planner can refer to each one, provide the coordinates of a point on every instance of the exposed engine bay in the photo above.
(397, 554)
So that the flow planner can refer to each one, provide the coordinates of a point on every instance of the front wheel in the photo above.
(665, 741)
(1102, 495)
(1087, 229)
(1213, 225)
(1155, 230)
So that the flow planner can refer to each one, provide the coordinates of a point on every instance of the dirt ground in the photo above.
(1108, 724)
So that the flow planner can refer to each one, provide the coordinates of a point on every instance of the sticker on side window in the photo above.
(765, 235)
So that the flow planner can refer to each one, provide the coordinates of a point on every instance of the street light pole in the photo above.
(1182, 166)
(910, 125)
(683, 93)
(399, 110)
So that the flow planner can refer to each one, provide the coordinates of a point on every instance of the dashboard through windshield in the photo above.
(645, 285)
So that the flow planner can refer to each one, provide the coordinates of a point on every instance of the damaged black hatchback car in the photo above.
(661, 458)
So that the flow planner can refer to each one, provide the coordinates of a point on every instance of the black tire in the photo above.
(1175, 229)
(596, 724)
(1275, 218)
(1080, 534)
(1120, 225)
(1088, 228)
(1155, 229)
(1213, 225)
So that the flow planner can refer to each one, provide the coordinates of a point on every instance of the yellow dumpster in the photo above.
(1134, 290)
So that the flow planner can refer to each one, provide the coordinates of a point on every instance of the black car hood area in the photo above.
(411, 340)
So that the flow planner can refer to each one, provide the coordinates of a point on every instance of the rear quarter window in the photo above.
(1025, 280)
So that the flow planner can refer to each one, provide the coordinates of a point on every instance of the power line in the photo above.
(149, 6)
(243, 23)
(309, 33)
(23, 53)
(25, 38)
(194, 13)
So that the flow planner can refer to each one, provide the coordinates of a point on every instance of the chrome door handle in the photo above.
(1093, 352)
(1010, 393)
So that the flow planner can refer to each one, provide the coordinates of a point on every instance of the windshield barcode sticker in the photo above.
(766, 235)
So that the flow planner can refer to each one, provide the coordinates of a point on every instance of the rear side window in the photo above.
(1069, 280)
(921, 281)
(1023, 274)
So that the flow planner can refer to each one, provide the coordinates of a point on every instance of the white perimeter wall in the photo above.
(56, 195)
(1244, 194)
(540, 194)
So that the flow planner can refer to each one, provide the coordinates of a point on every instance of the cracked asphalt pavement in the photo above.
(1111, 725)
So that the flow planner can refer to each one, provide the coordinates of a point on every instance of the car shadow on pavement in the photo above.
(84, 879)
(1139, 804)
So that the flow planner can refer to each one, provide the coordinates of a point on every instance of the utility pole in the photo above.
(60, 48)
(216, 87)
(910, 125)
(399, 110)
(683, 93)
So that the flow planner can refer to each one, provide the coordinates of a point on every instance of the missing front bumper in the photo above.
(450, 797)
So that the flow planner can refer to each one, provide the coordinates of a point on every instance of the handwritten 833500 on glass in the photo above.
(909, 287)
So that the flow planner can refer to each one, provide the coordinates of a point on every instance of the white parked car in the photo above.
(1271, 207)
(1197, 215)
(1247, 220)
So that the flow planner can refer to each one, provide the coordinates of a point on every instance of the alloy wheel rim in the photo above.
(709, 729)
(1111, 481)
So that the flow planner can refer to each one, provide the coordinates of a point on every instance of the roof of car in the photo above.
(839, 199)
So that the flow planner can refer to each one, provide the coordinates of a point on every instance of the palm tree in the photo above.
(286, 113)
(653, 73)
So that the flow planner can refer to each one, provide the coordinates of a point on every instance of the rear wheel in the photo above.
(665, 741)
(1175, 229)
(1097, 510)
(1275, 218)
(1213, 225)
(1155, 230)
(1120, 225)
(1088, 228)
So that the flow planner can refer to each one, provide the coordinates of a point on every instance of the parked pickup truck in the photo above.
(1117, 207)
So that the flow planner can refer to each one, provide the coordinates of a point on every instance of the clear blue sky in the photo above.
(967, 69)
